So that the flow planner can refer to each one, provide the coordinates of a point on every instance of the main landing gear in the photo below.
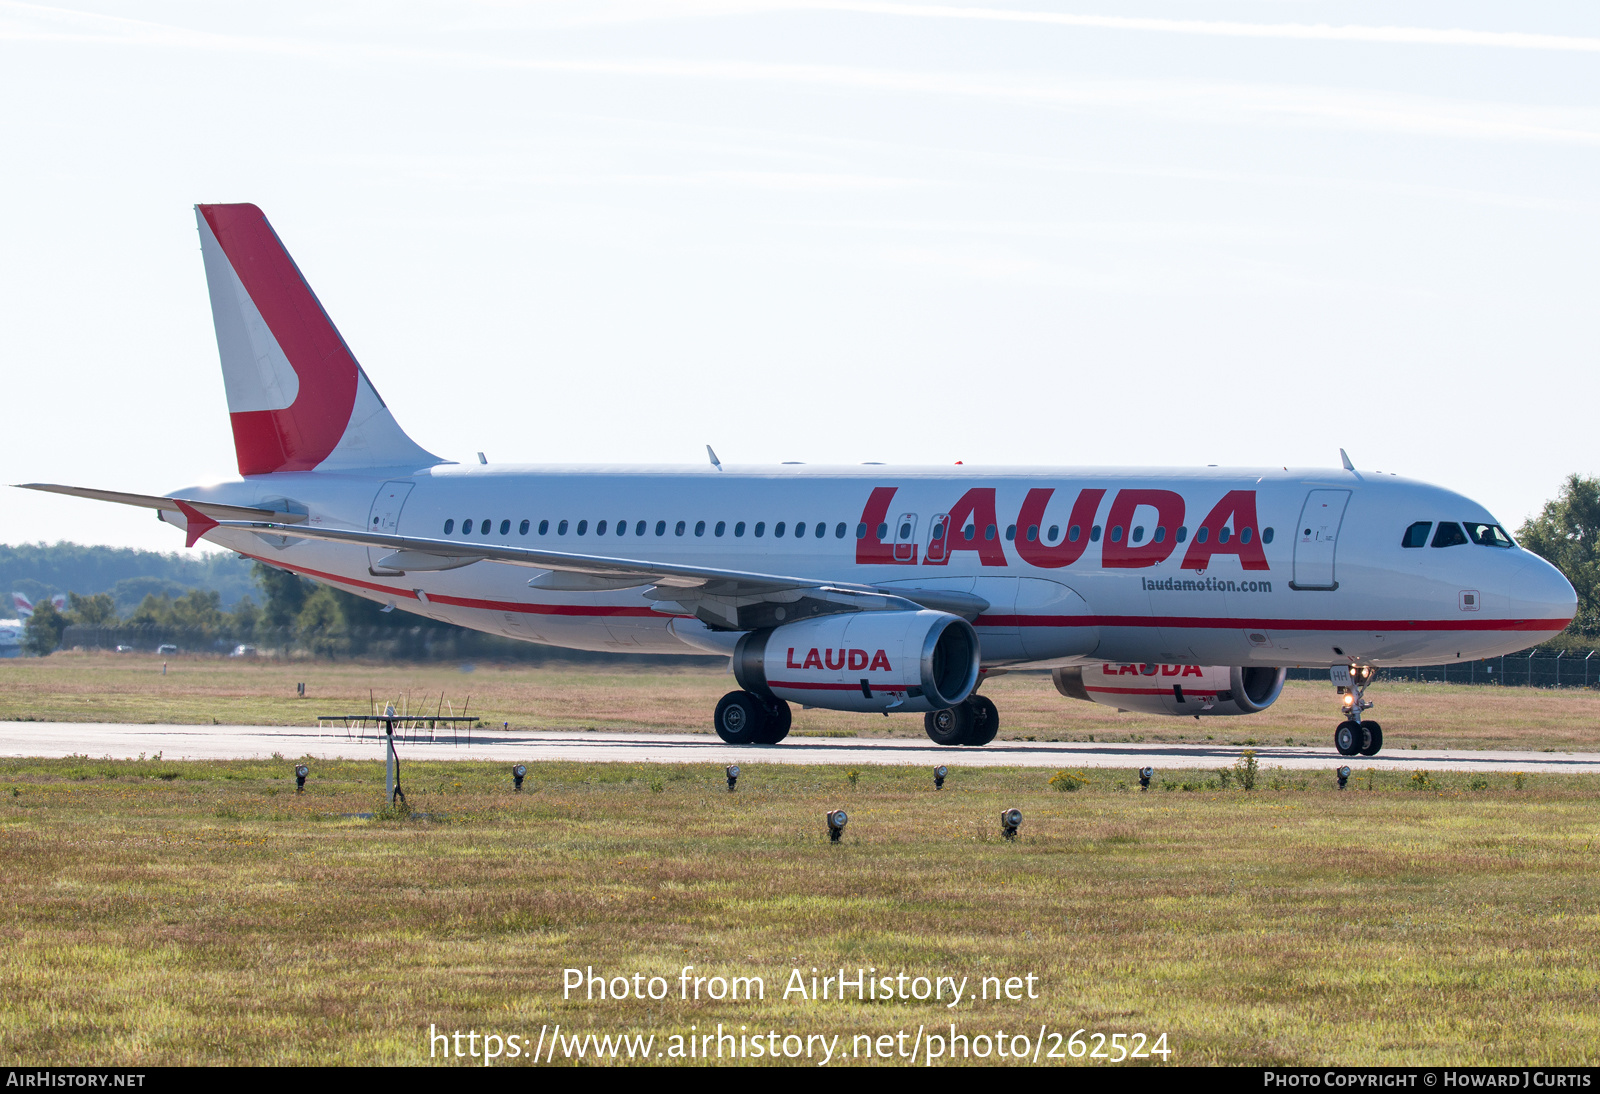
(1355, 737)
(743, 718)
(974, 722)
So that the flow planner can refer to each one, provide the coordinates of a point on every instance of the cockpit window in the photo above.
(1489, 535)
(1449, 534)
(1417, 534)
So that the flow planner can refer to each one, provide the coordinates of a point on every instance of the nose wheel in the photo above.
(1358, 738)
(1355, 736)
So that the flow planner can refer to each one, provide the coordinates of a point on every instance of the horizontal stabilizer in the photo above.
(210, 509)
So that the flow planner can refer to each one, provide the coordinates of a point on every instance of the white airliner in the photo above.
(869, 588)
(12, 632)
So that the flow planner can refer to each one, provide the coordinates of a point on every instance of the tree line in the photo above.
(40, 569)
(1567, 533)
(293, 615)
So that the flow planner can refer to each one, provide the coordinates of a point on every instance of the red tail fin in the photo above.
(297, 397)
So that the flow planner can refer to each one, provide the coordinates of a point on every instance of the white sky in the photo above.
(1034, 231)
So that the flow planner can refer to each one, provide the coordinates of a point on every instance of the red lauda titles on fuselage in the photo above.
(1230, 528)
(854, 660)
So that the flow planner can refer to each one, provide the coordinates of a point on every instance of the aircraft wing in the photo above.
(729, 599)
(150, 501)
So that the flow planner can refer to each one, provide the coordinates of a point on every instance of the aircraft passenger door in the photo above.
(937, 539)
(1316, 539)
(905, 537)
(385, 518)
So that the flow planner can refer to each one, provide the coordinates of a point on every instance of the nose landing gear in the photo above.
(1355, 737)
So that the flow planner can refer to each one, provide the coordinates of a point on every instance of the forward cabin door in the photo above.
(938, 539)
(1317, 539)
(385, 518)
(905, 538)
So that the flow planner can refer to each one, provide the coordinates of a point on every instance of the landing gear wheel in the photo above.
(779, 718)
(1374, 738)
(740, 718)
(985, 721)
(1348, 738)
(950, 726)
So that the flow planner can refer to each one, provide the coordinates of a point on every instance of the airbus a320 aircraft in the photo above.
(872, 588)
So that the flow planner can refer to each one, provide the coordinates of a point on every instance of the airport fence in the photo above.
(1537, 668)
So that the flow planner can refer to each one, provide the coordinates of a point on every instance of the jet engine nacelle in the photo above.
(864, 661)
(1174, 689)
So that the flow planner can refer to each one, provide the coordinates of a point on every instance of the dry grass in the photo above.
(202, 912)
(130, 688)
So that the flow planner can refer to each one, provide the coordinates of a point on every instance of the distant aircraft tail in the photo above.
(297, 397)
(25, 606)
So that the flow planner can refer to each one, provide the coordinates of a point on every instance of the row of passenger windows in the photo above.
(640, 528)
(801, 529)
(1451, 534)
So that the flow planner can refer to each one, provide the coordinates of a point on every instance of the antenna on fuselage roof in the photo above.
(713, 454)
(1344, 457)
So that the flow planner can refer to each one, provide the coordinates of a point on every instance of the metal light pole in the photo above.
(391, 765)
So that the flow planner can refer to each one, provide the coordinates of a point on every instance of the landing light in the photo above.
(938, 776)
(1145, 775)
(1344, 776)
(733, 777)
(300, 773)
(1348, 701)
(518, 773)
(837, 819)
(1010, 821)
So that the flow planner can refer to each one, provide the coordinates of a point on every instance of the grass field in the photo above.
(163, 912)
(104, 687)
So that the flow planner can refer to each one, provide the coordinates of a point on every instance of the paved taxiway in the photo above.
(178, 742)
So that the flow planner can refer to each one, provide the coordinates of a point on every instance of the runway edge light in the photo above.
(518, 773)
(1344, 776)
(1145, 775)
(939, 774)
(300, 773)
(837, 819)
(732, 771)
(1010, 821)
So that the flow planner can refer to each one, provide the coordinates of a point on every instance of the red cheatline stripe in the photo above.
(1381, 626)
(1187, 692)
(469, 602)
(798, 685)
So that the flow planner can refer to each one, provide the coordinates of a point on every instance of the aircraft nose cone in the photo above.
(1540, 591)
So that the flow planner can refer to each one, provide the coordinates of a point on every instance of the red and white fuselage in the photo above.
(1297, 568)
